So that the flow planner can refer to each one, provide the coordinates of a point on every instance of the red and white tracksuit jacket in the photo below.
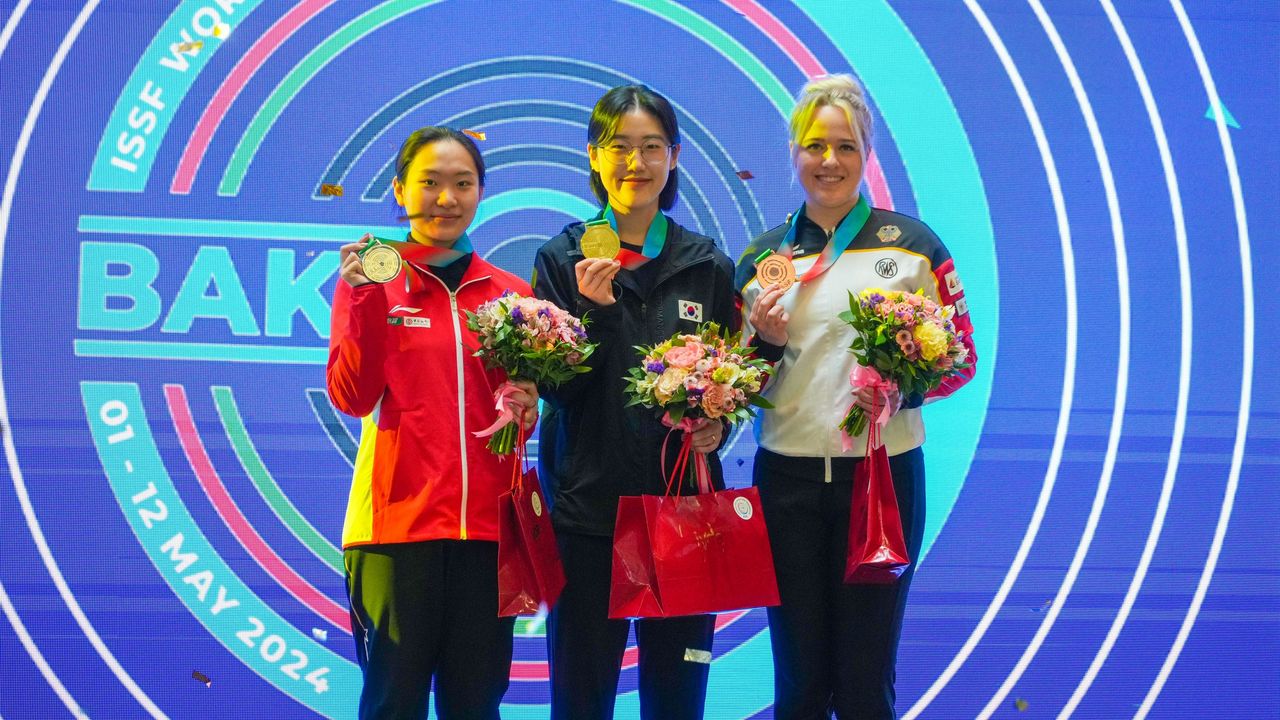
(403, 362)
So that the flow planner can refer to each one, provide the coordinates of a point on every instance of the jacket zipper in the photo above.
(462, 415)
(462, 392)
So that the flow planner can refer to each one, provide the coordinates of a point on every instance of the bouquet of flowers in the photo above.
(703, 375)
(902, 340)
(707, 374)
(530, 339)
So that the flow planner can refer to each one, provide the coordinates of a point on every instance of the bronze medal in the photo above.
(776, 270)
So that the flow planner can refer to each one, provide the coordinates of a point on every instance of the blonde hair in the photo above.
(841, 91)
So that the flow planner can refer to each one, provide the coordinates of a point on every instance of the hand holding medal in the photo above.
(351, 263)
(768, 317)
(595, 272)
(600, 240)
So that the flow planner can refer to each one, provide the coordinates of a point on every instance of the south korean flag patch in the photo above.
(690, 310)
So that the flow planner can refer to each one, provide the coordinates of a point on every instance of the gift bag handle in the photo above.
(521, 460)
(701, 470)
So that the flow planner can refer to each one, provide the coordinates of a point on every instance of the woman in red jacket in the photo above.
(421, 530)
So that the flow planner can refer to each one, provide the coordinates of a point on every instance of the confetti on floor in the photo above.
(331, 189)
(1020, 704)
(320, 634)
(189, 47)
(1047, 604)
(202, 678)
(745, 174)
(477, 134)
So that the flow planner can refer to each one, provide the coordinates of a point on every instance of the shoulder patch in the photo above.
(888, 233)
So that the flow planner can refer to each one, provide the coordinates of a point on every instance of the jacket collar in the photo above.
(477, 269)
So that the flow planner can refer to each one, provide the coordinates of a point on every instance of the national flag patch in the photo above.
(690, 310)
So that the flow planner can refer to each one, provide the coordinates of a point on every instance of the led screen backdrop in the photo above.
(1101, 538)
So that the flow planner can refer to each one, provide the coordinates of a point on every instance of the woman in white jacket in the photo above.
(834, 644)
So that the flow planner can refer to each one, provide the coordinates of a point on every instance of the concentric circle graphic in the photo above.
(1099, 540)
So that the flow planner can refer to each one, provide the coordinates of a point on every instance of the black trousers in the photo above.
(834, 645)
(427, 611)
(585, 647)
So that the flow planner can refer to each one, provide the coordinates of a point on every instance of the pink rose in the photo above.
(684, 356)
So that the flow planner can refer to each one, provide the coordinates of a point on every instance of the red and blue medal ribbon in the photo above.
(840, 241)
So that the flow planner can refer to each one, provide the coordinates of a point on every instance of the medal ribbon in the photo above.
(416, 254)
(840, 240)
(654, 239)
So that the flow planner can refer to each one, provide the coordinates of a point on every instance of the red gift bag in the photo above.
(529, 569)
(689, 555)
(877, 549)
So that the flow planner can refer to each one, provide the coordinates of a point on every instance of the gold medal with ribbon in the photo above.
(379, 260)
(600, 241)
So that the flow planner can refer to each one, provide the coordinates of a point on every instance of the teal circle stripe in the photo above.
(306, 670)
(532, 199)
(165, 76)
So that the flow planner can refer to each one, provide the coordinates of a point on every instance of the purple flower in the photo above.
(655, 367)
(543, 312)
(876, 298)
(516, 316)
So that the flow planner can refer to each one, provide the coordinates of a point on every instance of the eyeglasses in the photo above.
(652, 152)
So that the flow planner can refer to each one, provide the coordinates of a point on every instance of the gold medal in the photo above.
(600, 241)
(380, 263)
(776, 270)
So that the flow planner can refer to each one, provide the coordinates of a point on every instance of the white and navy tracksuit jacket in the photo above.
(810, 385)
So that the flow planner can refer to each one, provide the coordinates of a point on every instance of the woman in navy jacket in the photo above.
(593, 449)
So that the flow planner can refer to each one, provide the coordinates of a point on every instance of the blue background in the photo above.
(1080, 462)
